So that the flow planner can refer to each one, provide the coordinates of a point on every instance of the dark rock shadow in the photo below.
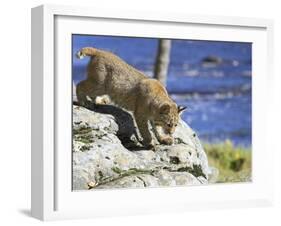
(127, 131)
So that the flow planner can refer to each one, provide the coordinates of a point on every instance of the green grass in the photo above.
(233, 163)
(83, 134)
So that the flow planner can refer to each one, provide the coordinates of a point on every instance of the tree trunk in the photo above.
(162, 60)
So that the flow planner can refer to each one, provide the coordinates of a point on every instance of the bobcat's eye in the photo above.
(170, 125)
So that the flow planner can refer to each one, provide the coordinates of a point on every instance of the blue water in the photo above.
(218, 96)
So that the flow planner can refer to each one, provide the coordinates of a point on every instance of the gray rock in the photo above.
(74, 97)
(107, 154)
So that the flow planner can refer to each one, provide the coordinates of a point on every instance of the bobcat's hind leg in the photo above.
(88, 93)
(82, 93)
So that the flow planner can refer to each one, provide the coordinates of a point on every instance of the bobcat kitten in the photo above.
(132, 90)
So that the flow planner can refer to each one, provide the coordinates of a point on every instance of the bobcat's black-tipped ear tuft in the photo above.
(181, 109)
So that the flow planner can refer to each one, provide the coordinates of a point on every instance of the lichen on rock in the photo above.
(107, 154)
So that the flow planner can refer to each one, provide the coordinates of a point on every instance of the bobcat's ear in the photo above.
(165, 108)
(181, 109)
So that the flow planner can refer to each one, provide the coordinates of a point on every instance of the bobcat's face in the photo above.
(168, 117)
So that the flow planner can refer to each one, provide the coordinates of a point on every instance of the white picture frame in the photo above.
(52, 197)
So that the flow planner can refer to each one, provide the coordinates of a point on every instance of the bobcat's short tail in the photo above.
(87, 51)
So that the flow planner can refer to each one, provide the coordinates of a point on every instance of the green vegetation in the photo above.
(83, 134)
(233, 163)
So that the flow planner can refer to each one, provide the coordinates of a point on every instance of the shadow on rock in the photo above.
(127, 132)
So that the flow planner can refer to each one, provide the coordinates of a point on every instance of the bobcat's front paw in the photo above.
(167, 140)
(149, 145)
